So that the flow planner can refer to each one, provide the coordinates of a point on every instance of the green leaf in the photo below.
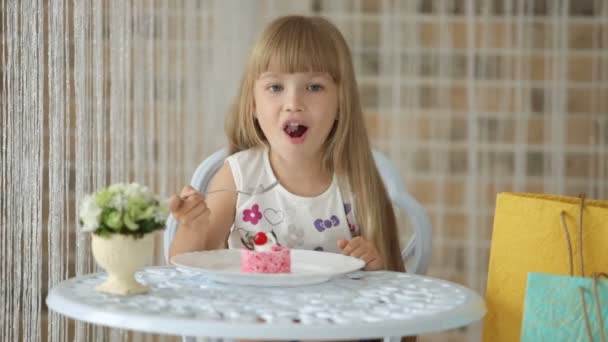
(113, 219)
(129, 222)
(103, 197)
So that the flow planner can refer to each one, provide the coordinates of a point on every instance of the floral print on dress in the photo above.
(350, 217)
(321, 224)
(252, 215)
(347, 208)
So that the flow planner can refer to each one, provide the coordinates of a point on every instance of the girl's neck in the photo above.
(302, 176)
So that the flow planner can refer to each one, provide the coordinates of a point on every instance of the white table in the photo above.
(360, 305)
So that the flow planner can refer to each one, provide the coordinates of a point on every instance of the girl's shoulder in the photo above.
(249, 165)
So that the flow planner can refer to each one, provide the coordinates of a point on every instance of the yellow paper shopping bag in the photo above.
(528, 237)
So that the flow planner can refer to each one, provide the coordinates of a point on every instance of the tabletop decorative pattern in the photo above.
(185, 302)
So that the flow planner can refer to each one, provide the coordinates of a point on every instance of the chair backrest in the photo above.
(416, 253)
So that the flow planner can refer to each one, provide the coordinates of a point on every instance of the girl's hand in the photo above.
(189, 208)
(364, 250)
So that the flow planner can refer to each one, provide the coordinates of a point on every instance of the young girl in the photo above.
(297, 121)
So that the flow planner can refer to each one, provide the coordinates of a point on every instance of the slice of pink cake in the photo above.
(276, 260)
(265, 255)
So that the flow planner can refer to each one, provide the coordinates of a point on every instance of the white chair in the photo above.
(417, 252)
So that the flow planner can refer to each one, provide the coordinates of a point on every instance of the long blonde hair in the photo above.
(302, 44)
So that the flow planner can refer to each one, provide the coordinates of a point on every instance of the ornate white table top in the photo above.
(359, 305)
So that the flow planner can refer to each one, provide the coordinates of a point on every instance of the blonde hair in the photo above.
(302, 44)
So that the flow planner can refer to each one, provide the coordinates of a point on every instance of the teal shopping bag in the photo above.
(565, 308)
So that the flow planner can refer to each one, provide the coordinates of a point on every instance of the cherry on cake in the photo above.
(266, 257)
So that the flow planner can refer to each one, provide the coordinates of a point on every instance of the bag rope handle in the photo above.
(596, 276)
(598, 309)
(580, 236)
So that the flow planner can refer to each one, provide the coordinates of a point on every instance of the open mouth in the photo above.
(295, 130)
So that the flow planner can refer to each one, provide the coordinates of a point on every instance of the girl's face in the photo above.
(296, 111)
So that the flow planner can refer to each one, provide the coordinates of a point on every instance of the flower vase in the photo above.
(120, 256)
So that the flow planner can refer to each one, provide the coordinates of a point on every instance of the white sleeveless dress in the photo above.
(314, 223)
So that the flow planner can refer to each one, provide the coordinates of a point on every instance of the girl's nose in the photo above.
(293, 102)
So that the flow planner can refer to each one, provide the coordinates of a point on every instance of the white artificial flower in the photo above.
(126, 204)
(117, 187)
(160, 216)
(89, 214)
(119, 201)
(136, 190)
(132, 189)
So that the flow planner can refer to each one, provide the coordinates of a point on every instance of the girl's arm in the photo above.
(204, 223)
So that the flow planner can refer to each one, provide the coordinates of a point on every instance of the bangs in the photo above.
(298, 45)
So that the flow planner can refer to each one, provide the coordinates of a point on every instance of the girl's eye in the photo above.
(275, 88)
(315, 87)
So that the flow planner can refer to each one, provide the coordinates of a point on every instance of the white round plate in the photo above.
(307, 267)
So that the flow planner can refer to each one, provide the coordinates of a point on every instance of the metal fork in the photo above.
(254, 192)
